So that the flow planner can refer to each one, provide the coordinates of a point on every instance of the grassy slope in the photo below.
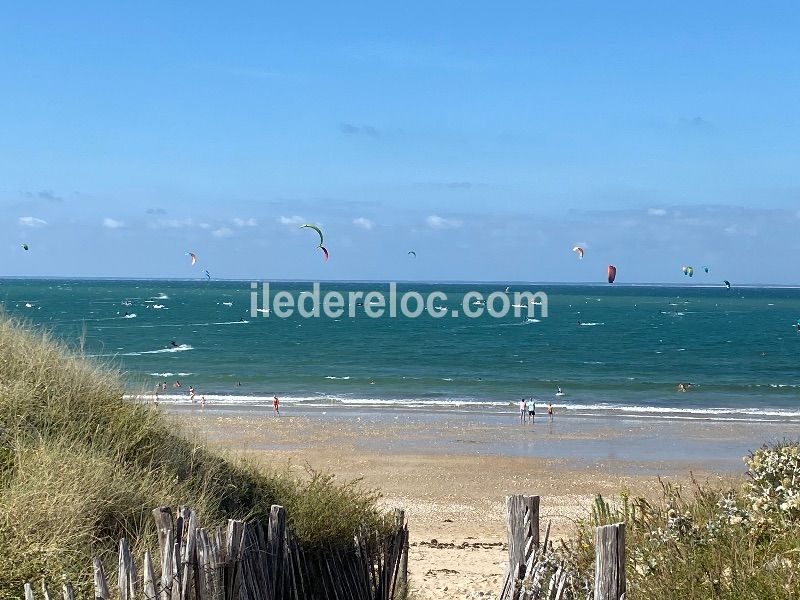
(80, 468)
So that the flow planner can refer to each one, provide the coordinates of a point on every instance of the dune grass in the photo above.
(708, 541)
(81, 467)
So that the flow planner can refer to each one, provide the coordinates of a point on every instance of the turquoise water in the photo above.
(739, 347)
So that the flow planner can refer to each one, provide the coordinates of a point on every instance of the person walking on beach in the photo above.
(531, 409)
(276, 406)
(550, 411)
(191, 393)
(522, 410)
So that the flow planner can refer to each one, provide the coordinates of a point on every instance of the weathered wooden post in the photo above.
(609, 570)
(148, 577)
(28, 591)
(276, 544)
(126, 572)
(67, 591)
(402, 571)
(100, 582)
(166, 566)
(523, 531)
(189, 552)
(45, 590)
(233, 552)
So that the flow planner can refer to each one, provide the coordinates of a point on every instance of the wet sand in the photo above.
(451, 471)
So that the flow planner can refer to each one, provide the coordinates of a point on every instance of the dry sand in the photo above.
(454, 502)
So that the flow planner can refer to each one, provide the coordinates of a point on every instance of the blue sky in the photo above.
(488, 138)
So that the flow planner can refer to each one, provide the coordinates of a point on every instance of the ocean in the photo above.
(614, 350)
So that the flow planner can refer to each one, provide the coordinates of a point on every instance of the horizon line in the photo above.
(402, 281)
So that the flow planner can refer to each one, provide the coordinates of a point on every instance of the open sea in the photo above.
(615, 350)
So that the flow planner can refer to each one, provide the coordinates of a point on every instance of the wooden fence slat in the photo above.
(67, 591)
(276, 544)
(148, 577)
(45, 590)
(28, 591)
(188, 556)
(515, 514)
(126, 572)
(163, 518)
(234, 545)
(609, 574)
(100, 581)
(166, 566)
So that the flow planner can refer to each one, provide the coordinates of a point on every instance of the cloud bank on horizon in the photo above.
(487, 144)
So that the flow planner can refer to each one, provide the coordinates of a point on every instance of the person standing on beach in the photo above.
(531, 409)
(522, 410)
(550, 411)
(276, 406)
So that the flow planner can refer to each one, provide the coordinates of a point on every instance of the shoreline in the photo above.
(598, 409)
(639, 444)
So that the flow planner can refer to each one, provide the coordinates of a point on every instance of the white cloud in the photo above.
(363, 223)
(731, 230)
(110, 223)
(437, 222)
(222, 232)
(32, 222)
(295, 220)
(656, 212)
(244, 222)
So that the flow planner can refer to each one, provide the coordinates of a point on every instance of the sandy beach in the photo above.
(451, 471)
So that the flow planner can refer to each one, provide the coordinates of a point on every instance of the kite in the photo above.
(317, 229)
(579, 251)
(688, 271)
(24, 246)
(320, 246)
(727, 284)
(208, 275)
(412, 252)
(193, 256)
(705, 269)
(612, 273)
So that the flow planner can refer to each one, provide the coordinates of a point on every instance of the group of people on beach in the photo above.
(192, 393)
(527, 410)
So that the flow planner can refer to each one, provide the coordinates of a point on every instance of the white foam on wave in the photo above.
(698, 411)
(334, 377)
(591, 324)
(168, 374)
(181, 348)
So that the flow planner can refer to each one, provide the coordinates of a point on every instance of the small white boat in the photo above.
(228, 303)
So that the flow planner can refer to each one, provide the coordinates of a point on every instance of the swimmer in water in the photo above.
(174, 344)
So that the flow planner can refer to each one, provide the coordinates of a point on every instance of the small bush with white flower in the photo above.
(709, 541)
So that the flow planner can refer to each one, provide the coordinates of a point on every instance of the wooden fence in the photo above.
(534, 573)
(250, 561)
